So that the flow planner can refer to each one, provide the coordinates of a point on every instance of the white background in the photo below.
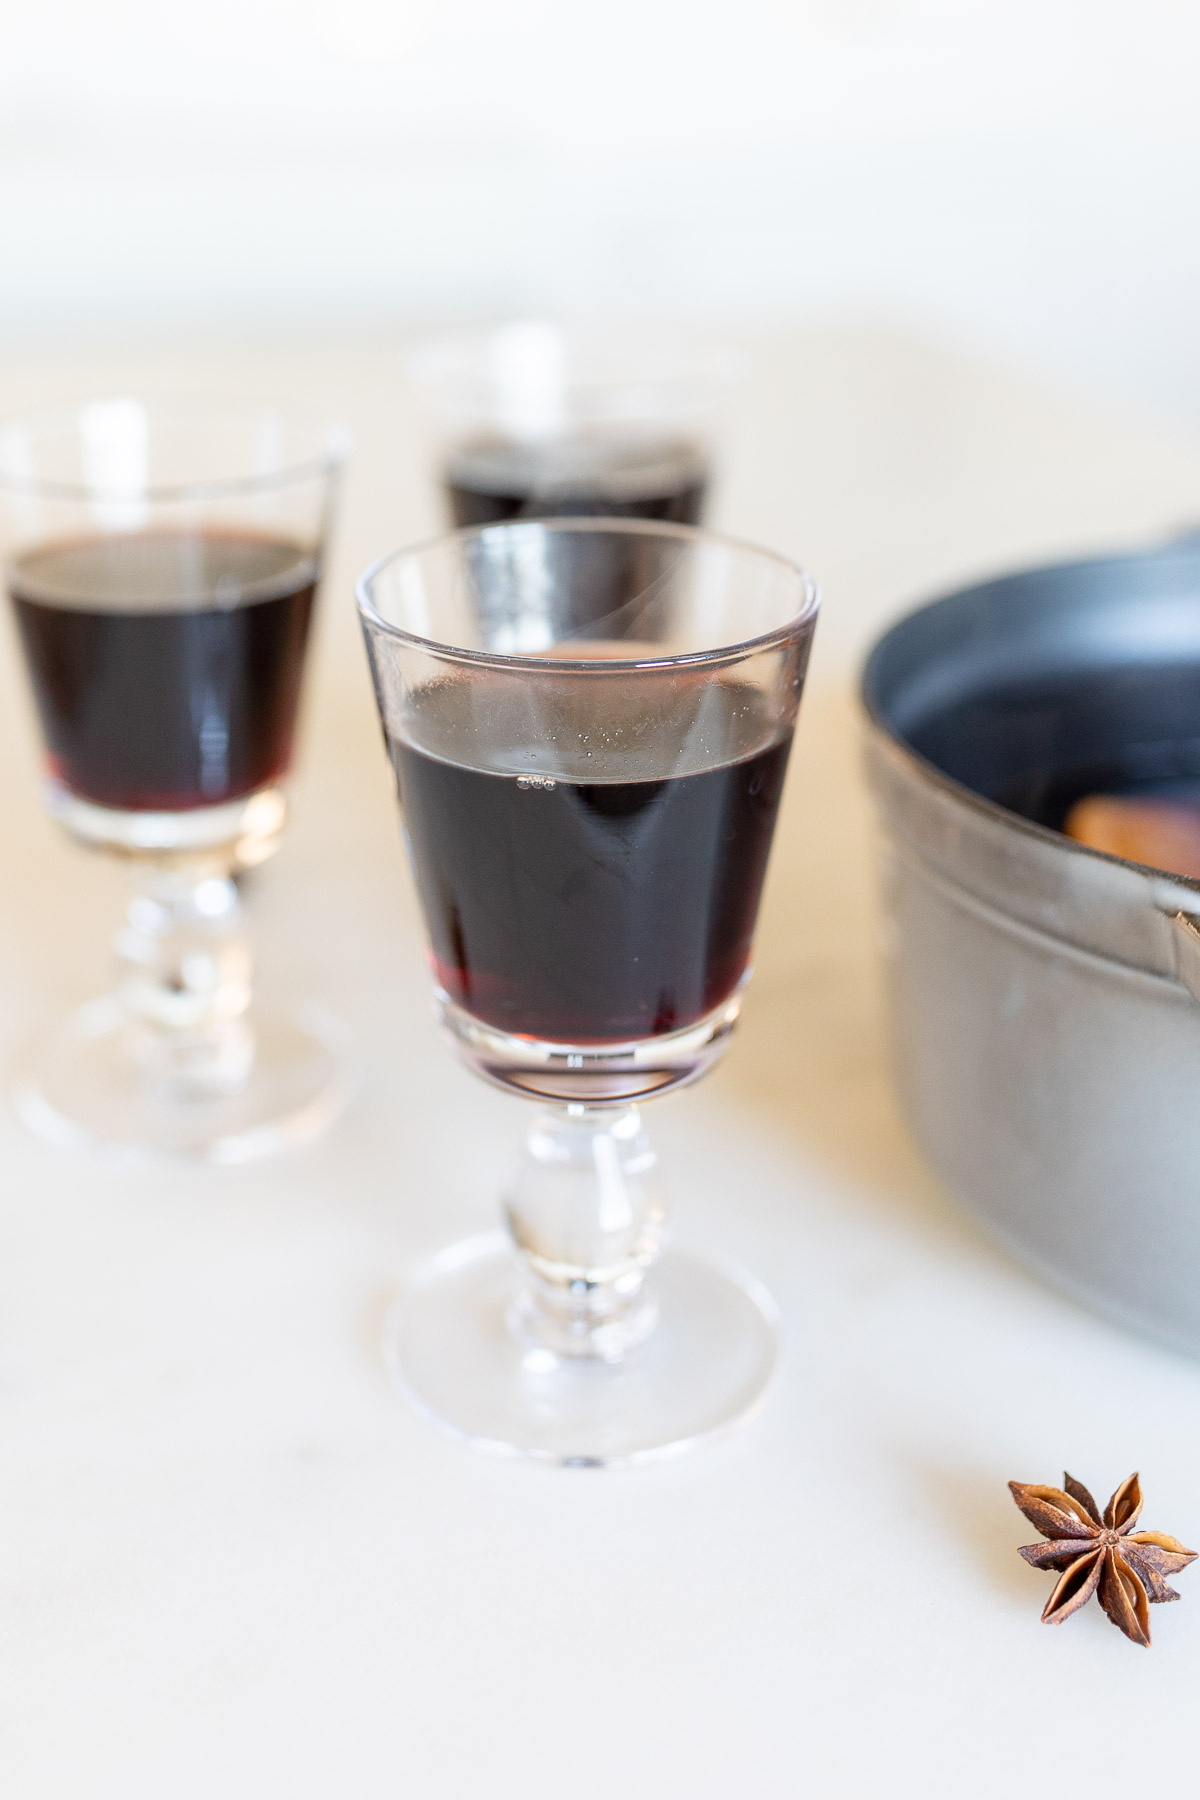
(1019, 175)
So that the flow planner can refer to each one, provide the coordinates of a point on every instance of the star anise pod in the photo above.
(1102, 1552)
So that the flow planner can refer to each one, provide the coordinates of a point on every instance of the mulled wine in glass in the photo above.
(537, 419)
(589, 722)
(162, 567)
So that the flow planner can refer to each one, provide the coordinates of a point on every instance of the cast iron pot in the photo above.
(1045, 996)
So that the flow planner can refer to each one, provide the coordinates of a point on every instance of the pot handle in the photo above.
(1187, 951)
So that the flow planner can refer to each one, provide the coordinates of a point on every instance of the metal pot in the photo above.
(1045, 996)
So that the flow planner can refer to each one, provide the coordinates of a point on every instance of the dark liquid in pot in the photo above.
(1039, 746)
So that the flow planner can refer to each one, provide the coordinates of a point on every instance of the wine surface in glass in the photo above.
(499, 478)
(584, 910)
(166, 665)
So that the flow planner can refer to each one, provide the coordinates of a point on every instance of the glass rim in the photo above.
(48, 418)
(532, 661)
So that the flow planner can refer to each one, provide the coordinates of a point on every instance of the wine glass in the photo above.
(162, 565)
(589, 722)
(538, 419)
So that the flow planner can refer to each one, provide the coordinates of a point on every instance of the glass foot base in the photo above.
(83, 1089)
(704, 1368)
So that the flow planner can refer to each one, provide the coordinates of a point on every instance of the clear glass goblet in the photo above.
(540, 419)
(162, 565)
(589, 722)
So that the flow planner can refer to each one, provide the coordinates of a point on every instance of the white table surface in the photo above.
(232, 1565)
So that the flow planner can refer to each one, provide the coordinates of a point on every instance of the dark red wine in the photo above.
(166, 665)
(583, 911)
(501, 479)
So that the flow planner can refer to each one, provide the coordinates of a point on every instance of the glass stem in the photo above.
(586, 1211)
(185, 977)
